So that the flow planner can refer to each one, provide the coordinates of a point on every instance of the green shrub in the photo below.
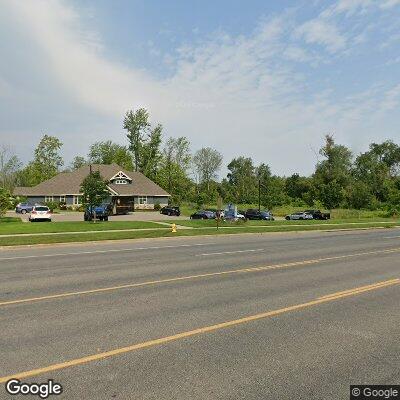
(157, 207)
(52, 205)
(5, 201)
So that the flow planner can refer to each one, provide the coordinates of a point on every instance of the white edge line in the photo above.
(228, 252)
(101, 251)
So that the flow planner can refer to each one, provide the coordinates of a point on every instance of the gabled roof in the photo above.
(68, 183)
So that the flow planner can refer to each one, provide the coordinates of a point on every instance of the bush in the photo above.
(52, 205)
(157, 207)
(62, 205)
(5, 201)
(393, 212)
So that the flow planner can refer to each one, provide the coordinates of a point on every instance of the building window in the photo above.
(62, 199)
(77, 200)
(121, 182)
(142, 199)
(48, 198)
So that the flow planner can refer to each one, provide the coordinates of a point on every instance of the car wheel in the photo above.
(287, 218)
(105, 218)
(301, 218)
(23, 211)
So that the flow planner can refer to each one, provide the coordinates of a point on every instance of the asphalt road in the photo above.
(273, 316)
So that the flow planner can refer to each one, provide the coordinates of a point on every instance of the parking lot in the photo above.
(78, 216)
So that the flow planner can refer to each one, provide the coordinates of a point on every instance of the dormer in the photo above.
(121, 178)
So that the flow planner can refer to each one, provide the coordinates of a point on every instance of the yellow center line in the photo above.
(206, 329)
(198, 276)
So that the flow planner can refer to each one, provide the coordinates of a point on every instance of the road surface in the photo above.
(273, 316)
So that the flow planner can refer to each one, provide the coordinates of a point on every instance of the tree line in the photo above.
(370, 180)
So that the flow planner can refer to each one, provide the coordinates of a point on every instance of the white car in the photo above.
(40, 213)
(298, 215)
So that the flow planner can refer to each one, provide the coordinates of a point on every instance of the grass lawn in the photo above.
(9, 226)
(205, 230)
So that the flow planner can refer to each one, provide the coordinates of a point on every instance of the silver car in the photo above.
(298, 216)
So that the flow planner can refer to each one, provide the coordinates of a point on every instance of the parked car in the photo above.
(241, 216)
(101, 212)
(317, 214)
(24, 208)
(234, 217)
(203, 214)
(170, 210)
(40, 213)
(253, 213)
(298, 215)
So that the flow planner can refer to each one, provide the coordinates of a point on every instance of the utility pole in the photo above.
(259, 195)
(90, 199)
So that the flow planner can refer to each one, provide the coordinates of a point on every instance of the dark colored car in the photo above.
(101, 212)
(171, 210)
(24, 208)
(317, 214)
(203, 214)
(253, 213)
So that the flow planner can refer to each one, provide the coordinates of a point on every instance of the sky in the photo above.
(262, 79)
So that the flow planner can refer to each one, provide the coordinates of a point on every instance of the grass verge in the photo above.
(13, 227)
(48, 239)
(198, 223)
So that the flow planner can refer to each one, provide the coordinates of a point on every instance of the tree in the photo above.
(297, 186)
(333, 174)
(243, 180)
(136, 123)
(387, 153)
(5, 201)
(46, 162)
(274, 193)
(78, 162)
(207, 163)
(359, 195)
(9, 167)
(174, 164)
(377, 167)
(337, 164)
(150, 153)
(94, 189)
(107, 152)
(331, 194)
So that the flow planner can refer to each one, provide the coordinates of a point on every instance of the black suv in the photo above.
(170, 210)
(317, 214)
(253, 213)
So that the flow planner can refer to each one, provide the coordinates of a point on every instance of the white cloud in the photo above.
(239, 94)
(389, 3)
(322, 32)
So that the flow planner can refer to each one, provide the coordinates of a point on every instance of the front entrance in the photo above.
(123, 205)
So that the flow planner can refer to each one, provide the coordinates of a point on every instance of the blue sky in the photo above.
(261, 79)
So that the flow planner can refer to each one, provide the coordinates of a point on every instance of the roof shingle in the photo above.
(68, 183)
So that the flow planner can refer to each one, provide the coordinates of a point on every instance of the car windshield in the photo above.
(42, 208)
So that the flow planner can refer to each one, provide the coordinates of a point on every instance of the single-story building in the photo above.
(128, 190)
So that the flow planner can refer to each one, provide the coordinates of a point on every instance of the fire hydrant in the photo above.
(173, 228)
